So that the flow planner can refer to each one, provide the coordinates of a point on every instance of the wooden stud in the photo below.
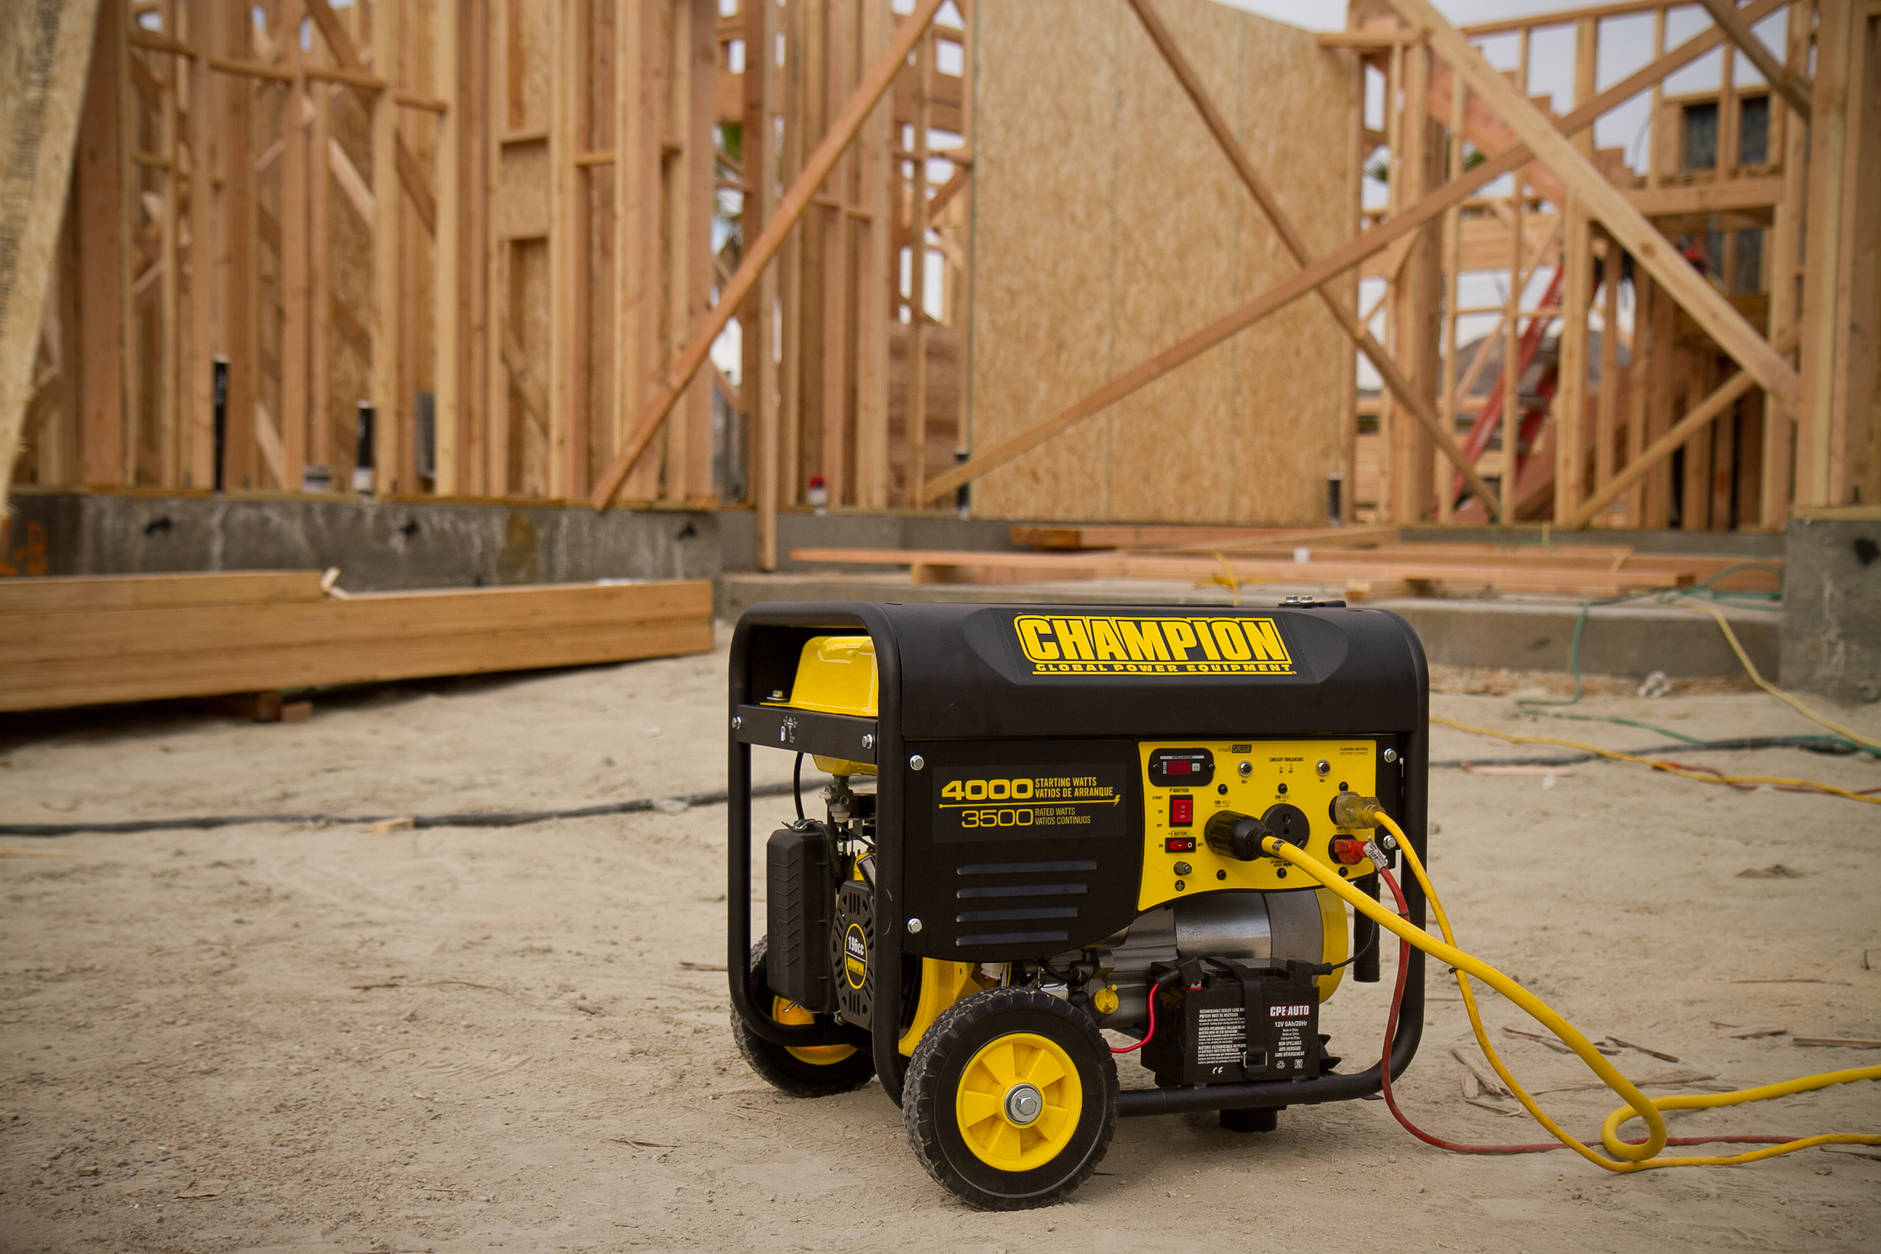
(1655, 116)
(99, 194)
(1570, 404)
(1786, 245)
(791, 303)
(199, 386)
(1607, 399)
(838, 27)
(565, 252)
(963, 436)
(1825, 274)
(1638, 371)
(296, 287)
(169, 401)
(875, 263)
(1695, 476)
(697, 484)
(447, 370)
(638, 78)
(236, 256)
(390, 427)
(1452, 265)
(758, 377)
(916, 403)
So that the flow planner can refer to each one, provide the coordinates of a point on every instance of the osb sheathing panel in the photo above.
(1108, 226)
(1043, 283)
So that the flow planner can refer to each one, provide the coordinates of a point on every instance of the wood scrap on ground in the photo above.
(82, 641)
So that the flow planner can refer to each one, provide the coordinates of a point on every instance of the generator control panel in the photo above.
(1288, 785)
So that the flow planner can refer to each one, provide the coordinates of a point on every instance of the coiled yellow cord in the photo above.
(1626, 1157)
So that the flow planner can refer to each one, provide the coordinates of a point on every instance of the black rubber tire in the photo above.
(934, 1076)
(786, 1072)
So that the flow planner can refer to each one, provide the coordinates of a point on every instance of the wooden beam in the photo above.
(638, 102)
(1693, 423)
(1828, 270)
(566, 97)
(1709, 308)
(1795, 88)
(295, 244)
(1786, 248)
(389, 427)
(447, 270)
(99, 191)
(758, 378)
(1515, 574)
(916, 396)
(877, 262)
(759, 253)
(1415, 397)
(1335, 263)
(690, 476)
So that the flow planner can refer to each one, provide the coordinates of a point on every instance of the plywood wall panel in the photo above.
(1107, 225)
(1179, 225)
(1043, 285)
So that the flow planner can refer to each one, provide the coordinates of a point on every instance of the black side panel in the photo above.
(1021, 848)
(799, 900)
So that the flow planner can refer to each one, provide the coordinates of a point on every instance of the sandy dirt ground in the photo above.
(308, 1037)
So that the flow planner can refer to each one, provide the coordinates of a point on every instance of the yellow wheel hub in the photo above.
(786, 1011)
(1018, 1101)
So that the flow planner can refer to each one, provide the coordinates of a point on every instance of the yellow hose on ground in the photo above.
(1671, 768)
(1625, 1157)
(1730, 638)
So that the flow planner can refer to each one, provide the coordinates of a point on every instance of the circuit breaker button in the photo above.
(1181, 811)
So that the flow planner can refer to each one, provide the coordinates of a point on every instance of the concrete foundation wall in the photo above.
(1832, 604)
(376, 545)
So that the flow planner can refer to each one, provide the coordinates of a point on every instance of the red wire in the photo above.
(1131, 1049)
(1457, 1147)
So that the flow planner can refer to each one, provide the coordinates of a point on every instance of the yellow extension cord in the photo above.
(1671, 768)
(1730, 638)
(1625, 1157)
(1703, 777)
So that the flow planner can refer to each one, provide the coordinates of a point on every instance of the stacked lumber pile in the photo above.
(1361, 562)
(83, 641)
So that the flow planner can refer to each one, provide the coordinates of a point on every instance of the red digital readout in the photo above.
(1178, 766)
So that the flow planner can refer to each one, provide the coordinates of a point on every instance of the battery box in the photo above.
(1219, 1021)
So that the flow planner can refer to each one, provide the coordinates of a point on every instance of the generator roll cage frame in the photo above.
(879, 740)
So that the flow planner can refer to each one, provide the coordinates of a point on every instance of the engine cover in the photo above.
(853, 953)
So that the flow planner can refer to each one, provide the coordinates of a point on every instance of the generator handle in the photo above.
(746, 1000)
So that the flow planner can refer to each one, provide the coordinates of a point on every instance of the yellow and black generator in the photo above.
(1045, 823)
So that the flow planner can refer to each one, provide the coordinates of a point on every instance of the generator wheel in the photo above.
(1011, 1099)
(810, 1071)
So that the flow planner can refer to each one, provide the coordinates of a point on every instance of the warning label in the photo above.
(1068, 800)
(1220, 1035)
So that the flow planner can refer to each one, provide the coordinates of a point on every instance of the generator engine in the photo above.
(1046, 843)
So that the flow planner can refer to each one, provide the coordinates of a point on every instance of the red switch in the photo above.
(1181, 811)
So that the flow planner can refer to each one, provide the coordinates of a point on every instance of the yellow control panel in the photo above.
(1286, 784)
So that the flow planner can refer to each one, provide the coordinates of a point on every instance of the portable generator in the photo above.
(1045, 823)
